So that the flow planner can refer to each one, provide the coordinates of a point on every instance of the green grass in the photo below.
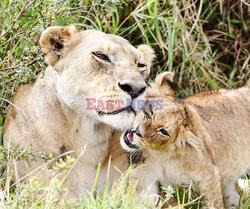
(206, 44)
(34, 194)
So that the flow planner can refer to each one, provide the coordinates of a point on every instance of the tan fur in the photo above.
(208, 146)
(53, 116)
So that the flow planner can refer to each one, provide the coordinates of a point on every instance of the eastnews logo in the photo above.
(117, 104)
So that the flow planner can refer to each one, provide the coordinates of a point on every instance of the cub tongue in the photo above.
(130, 136)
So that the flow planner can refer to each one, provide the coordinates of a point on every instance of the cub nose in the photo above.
(134, 90)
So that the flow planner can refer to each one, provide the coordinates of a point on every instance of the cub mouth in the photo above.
(128, 139)
(128, 108)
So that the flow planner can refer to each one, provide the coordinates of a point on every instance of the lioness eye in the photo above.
(140, 65)
(101, 56)
(164, 132)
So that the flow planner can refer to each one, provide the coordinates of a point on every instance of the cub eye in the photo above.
(164, 132)
(137, 132)
(140, 65)
(101, 56)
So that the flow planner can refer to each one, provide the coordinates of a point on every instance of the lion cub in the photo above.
(203, 140)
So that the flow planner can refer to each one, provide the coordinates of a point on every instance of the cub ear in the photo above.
(148, 109)
(188, 138)
(164, 83)
(57, 41)
(149, 55)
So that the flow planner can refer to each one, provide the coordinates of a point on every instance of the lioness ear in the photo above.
(164, 83)
(188, 138)
(149, 55)
(56, 41)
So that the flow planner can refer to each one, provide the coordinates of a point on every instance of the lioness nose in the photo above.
(132, 89)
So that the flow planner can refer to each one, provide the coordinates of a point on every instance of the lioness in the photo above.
(203, 140)
(64, 110)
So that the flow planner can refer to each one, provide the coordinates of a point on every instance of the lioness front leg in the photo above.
(146, 184)
(230, 194)
(209, 184)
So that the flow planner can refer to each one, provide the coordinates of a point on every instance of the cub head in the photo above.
(98, 74)
(163, 127)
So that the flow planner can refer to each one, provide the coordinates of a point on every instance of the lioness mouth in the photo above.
(128, 139)
(128, 108)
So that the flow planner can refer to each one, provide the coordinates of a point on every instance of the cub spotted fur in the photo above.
(55, 117)
(203, 140)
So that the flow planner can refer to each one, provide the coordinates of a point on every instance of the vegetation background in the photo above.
(205, 42)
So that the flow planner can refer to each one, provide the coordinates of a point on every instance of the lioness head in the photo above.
(161, 128)
(98, 74)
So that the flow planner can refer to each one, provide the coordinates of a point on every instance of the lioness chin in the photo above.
(65, 110)
(203, 141)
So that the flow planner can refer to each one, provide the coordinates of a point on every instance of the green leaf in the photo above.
(232, 74)
(59, 21)
(212, 83)
(22, 46)
(235, 21)
(1, 133)
(7, 21)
